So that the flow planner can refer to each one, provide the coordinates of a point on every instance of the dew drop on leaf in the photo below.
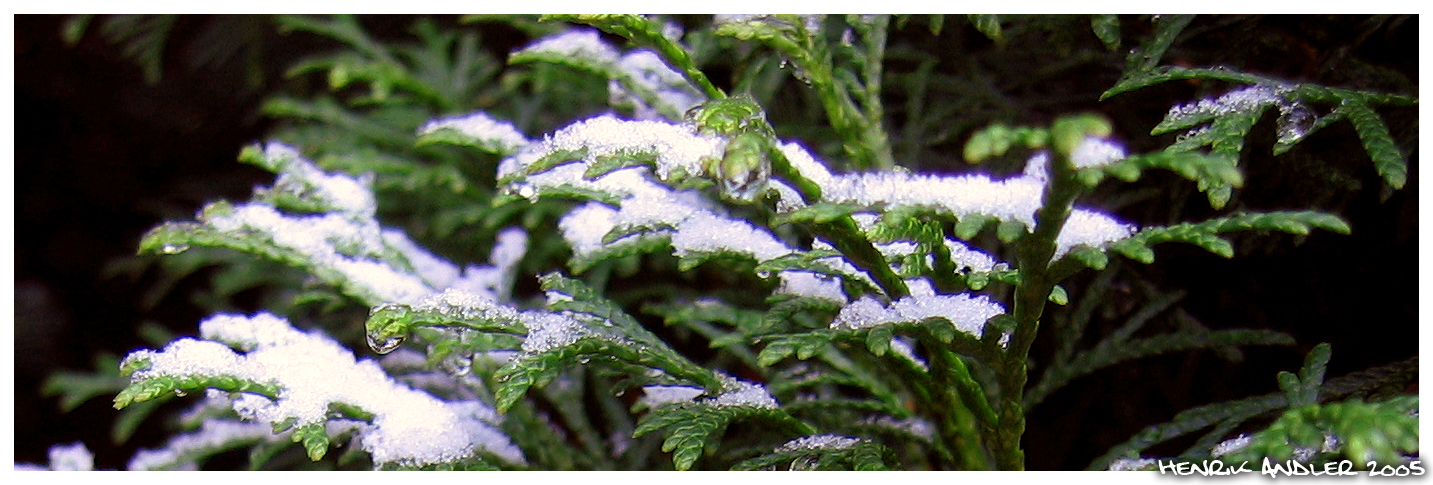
(174, 248)
(180, 393)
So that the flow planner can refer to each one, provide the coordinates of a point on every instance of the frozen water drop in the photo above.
(526, 191)
(386, 346)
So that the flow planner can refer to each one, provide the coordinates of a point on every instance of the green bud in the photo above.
(727, 116)
(1068, 133)
(745, 168)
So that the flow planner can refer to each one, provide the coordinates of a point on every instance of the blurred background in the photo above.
(108, 145)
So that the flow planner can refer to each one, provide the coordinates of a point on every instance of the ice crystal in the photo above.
(498, 134)
(818, 442)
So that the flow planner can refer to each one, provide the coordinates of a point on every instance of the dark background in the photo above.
(102, 155)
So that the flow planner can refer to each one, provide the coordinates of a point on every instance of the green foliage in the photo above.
(689, 250)
(1306, 430)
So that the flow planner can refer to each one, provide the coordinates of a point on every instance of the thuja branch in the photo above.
(1037, 280)
(648, 32)
(864, 138)
(842, 232)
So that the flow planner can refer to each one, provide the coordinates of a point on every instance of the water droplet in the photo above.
(763, 274)
(174, 248)
(388, 344)
(458, 365)
(584, 360)
(180, 393)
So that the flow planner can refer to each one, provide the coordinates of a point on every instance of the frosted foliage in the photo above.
(434, 271)
(653, 396)
(818, 442)
(495, 280)
(811, 285)
(465, 305)
(915, 426)
(648, 70)
(410, 427)
(1095, 152)
(1090, 229)
(675, 145)
(1131, 464)
(212, 434)
(381, 279)
(695, 223)
(903, 348)
(304, 179)
(329, 241)
(584, 226)
(710, 233)
(966, 312)
(806, 165)
(71, 457)
(1239, 100)
(578, 43)
(1293, 116)
(742, 393)
(1014, 199)
(1230, 446)
(480, 126)
(547, 331)
(964, 256)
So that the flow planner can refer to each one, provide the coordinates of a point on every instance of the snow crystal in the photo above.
(903, 348)
(649, 71)
(547, 331)
(818, 442)
(964, 256)
(329, 240)
(479, 125)
(584, 227)
(707, 232)
(1131, 464)
(1239, 100)
(676, 146)
(577, 43)
(1089, 228)
(1230, 446)
(967, 313)
(380, 279)
(812, 285)
(71, 457)
(653, 396)
(1096, 152)
(304, 179)
(410, 427)
(742, 393)
(1014, 199)
(179, 452)
(465, 305)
